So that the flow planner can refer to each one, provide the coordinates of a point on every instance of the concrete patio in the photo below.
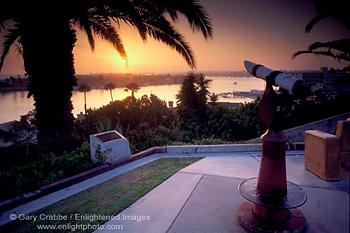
(204, 197)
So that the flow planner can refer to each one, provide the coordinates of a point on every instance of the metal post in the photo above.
(271, 200)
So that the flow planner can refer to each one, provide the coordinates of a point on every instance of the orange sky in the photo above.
(266, 32)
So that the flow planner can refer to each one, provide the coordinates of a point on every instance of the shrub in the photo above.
(45, 169)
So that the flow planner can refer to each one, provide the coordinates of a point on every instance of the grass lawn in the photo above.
(104, 200)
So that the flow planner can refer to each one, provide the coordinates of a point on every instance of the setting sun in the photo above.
(124, 61)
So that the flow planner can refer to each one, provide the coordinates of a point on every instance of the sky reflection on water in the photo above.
(15, 104)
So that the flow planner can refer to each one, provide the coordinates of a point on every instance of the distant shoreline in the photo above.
(13, 89)
(98, 81)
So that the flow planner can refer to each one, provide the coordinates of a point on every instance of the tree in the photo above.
(192, 99)
(203, 93)
(23, 131)
(110, 86)
(337, 49)
(155, 110)
(214, 99)
(187, 98)
(133, 87)
(46, 37)
(84, 88)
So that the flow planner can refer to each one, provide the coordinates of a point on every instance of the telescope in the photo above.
(277, 78)
(271, 201)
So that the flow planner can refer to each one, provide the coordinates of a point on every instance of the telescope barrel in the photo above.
(292, 84)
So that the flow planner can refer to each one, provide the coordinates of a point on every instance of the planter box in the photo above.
(110, 140)
(322, 154)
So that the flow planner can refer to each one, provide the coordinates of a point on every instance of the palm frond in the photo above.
(148, 18)
(102, 27)
(85, 25)
(107, 32)
(10, 38)
(160, 29)
(129, 12)
(337, 56)
(315, 20)
(197, 17)
(195, 14)
(7, 14)
(3, 25)
(338, 9)
(342, 45)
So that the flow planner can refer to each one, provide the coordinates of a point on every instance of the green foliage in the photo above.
(321, 108)
(101, 155)
(44, 170)
(110, 86)
(84, 88)
(210, 141)
(127, 115)
(192, 100)
(108, 198)
(213, 99)
(144, 138)
(133, 87)
(23, 131)
(148, 123)
(104, 124)
(119, 128)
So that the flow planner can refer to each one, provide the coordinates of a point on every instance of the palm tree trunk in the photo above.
(49, 63)
(85, 101)
(110, 90)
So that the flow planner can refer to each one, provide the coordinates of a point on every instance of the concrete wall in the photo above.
(225, 148)
(328, 125)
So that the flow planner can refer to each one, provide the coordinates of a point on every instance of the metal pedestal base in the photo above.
(262, 214)
(295, 223)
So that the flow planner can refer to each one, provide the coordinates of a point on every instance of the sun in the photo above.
(124, 61)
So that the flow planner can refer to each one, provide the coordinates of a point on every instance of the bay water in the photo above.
(15, 104)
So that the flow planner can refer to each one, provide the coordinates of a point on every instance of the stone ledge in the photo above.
(224, 148)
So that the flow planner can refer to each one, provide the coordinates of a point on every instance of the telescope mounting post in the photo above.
(271, 200)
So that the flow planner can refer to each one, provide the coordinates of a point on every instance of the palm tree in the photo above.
(338, 49)
(187, 98)
(110, 86)
(214, 99)
(84, 88)
(203, 93)
(133, 87)
(46, 36)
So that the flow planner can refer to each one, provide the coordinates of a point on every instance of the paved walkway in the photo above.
(203, 197)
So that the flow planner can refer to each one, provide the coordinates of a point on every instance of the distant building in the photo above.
(325, 78)
(81, 116)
